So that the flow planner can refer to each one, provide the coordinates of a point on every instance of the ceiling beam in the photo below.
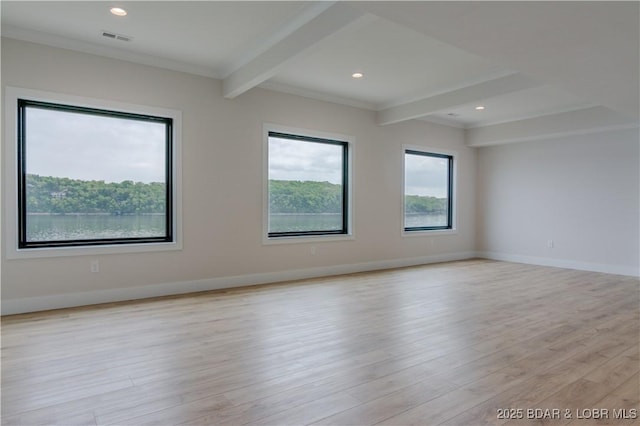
(578, 122)
(475, 93)
(268, 63)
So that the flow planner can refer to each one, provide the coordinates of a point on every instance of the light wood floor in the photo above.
(450, 343)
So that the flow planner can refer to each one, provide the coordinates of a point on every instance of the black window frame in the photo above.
(345, 186)
(450, 163)
(22, 142)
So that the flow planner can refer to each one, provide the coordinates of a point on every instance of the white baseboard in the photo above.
(632, 271)
(68, 300)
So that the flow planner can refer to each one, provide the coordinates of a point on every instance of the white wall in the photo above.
(222, 187)
(582, 192)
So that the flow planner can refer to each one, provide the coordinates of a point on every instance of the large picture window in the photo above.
(89, 176)
(428, 191)
(307, 185)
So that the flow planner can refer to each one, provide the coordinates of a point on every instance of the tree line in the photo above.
(418, 204)
(294, 196)
(323, 197)
(59, 195)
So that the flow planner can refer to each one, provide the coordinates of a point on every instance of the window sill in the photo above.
(46, 252)
(429, 232)
(306, 239)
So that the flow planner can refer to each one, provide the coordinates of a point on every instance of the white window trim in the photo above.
(268, 127)
(10, 173)
(454, 191)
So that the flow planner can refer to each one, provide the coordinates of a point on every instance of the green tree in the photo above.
(286, 196)
(59, 195)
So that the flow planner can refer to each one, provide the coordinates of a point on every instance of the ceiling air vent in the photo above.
(114, 36)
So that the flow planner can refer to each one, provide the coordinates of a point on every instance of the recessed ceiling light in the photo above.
(118, 11)
(479, 108)
(357, 75)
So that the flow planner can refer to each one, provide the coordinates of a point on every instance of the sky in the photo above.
(426, 176)
(299, 160)
(89, 147)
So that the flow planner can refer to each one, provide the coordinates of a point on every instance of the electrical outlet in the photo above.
(94, 265)
(550, 243)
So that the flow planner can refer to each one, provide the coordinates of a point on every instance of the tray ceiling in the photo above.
(421, 60)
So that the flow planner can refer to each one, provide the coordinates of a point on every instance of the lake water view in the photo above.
(423, 220)
(85, 227)
(301, 222)
(330, 222)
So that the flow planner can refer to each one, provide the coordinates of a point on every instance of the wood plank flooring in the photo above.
(449, 343)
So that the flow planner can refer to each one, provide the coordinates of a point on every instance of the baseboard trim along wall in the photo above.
(68, 300)
(562, 263)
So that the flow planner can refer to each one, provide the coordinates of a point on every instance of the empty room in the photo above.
(320, 213)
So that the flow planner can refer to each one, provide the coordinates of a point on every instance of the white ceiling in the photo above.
(399, 64)
(427, 60)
